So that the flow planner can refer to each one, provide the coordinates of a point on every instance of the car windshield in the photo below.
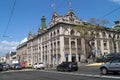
(40, 63)
(17, 64)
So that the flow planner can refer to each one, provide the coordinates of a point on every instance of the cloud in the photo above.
(24, 40)
(116, 1)
(7, 46)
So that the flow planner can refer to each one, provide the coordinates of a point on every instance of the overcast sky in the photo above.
(27, 14)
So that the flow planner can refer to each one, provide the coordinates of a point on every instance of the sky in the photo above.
(26, 16)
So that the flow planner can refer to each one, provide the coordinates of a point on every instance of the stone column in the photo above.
(62, 53)
(83, 55)
(76, 49)
(70, 54)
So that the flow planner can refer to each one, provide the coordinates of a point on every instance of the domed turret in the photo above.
(116, 26)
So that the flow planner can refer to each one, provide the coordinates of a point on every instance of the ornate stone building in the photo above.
(61, 41)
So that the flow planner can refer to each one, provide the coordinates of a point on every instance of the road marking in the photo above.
(86, 75)
(17, 70)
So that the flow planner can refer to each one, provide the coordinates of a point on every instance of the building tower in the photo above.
(43, 23)
(116, 26)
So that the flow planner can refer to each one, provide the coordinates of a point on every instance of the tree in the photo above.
(93, 20)
(104, 22)
(116, 30)
(88, 33)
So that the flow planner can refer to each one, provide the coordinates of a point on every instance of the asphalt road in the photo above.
(52, 75)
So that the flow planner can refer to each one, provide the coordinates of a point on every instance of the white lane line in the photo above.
(87, 75)
(17, 70)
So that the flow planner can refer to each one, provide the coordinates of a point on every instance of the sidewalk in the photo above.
(90, 63)
(94, 64)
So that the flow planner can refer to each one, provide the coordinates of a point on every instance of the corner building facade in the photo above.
(61, 42)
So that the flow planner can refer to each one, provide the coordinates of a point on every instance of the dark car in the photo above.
(1, 67)
(16, 66)
(108, 57)
(67, 66)
(6, 67)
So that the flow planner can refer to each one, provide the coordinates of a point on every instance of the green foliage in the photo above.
(95, 21)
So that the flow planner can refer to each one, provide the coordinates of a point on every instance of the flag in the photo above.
(69, 3)
(53, 5)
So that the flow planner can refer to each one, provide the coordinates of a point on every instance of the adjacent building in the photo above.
(61, 41)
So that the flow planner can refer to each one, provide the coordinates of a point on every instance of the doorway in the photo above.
(73, 58)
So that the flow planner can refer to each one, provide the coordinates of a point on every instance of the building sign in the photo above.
(66, 54)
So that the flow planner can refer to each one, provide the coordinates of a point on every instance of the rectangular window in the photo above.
(105, 44)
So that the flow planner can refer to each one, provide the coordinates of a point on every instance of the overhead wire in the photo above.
(11, 14)
(109, 13)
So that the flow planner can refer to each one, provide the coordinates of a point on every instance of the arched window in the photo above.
(97, 35)
(109, 35)
(72, 32)
(57, 31)
(51, 34)
(104, 34)
(73, 44)
(118, 37)
(54, 33)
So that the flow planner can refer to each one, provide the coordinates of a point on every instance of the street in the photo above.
(84, 73)
(42, 75)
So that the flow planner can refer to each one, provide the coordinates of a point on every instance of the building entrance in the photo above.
(73, 58)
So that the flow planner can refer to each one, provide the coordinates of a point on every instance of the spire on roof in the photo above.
(30, 35)
(55, 19)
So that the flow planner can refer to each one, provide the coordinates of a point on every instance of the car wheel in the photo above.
(76, 69)
(104, 71)
(58, 69)
(36, 68)
(66, 69)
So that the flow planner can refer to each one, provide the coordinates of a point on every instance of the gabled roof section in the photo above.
(69, 18)
(55, 19)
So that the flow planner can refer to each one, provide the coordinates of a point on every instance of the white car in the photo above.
(39, 66)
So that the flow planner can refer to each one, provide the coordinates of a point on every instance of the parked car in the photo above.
(67, 66)
(1, 67)
(16, 66)
(6, 67)
(108, 57)
(39, 66)
(23, 64)
(112, 66)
